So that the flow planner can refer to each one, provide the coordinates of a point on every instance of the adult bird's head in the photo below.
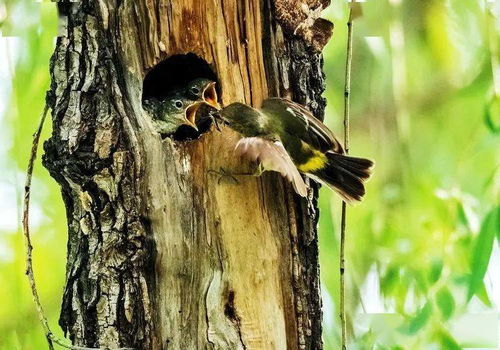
(203, 90)
(242, 118)
(173, 112)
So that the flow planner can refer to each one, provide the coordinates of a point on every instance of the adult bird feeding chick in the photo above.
(284, 136)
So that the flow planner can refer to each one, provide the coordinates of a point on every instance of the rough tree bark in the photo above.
(161, 255)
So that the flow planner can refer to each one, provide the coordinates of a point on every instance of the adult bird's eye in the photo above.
(178, 104)
(195, 90)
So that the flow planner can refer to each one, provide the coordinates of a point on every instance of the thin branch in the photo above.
(27, 240)
(347, 91)
(51, 338)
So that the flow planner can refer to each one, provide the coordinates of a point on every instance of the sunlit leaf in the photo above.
(421, 280)
(482, 251)
(496, 222)
(419, 321)
(461, 216)
(389, 279)
(435, 270)
(482, 294)
(447, 342)
(367, 340)
(445, 302)
(492, 115)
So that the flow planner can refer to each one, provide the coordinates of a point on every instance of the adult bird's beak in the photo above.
(191, 115)
(210, 96)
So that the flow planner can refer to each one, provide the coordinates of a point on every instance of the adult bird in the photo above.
(284, 136)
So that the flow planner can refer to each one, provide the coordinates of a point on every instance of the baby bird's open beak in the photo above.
(210, 96)
(191, 114)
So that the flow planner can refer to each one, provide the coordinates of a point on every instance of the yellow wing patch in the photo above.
(317, 160)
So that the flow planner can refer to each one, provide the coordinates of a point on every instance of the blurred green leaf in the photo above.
(496, 222)
(447, 342)
(435, 270)
(367, 340)
(482, 294)
(445, 302)
(420, 319)
(492, 115)
(482, 251)
(389, 280)
(462, 217)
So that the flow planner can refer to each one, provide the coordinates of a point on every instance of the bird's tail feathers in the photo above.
(346, 175)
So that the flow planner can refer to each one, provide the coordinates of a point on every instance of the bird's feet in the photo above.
(223, 173)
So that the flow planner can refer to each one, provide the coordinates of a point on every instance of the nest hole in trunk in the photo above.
(173, 74)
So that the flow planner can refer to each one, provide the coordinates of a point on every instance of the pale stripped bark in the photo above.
(160, 254)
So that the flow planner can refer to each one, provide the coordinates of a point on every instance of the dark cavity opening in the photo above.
(175, 73)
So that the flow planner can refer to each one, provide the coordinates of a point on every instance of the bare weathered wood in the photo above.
(160, 254)
(302, 18)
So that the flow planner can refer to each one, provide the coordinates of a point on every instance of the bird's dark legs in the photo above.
(215, 122)
(224, 173)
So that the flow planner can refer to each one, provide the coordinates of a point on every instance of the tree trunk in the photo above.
(161, 255)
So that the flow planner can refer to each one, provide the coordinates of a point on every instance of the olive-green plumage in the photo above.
(313, 148)
(171, 113)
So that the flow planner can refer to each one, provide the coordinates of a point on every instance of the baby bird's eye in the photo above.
(195, 90)
(178, 104)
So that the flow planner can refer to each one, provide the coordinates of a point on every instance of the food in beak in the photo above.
(191, 115)
(210, 96)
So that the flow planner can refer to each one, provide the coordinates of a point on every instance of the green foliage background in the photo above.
(422, 262)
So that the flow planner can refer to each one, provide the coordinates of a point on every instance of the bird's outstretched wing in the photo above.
(271, 155)
(297, 120)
